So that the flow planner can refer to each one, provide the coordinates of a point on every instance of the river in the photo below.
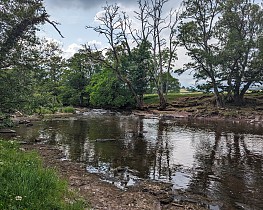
(221, 161)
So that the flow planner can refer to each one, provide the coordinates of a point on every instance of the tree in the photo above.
(133, 65)
(240, 36)
(18, 52)
(223, 39)
(107, 91)
(170, 84)
(114, 26)
(154, 28)
(198, 35)
(18, 22)
(76, 76)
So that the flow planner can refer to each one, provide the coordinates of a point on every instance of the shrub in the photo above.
(68, 109)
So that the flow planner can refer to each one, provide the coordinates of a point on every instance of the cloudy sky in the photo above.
(74, 15)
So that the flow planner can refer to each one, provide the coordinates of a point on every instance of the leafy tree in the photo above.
(170, 84)
(240, 35)
(18, 54)
(76, 77)
(107, 91)
(223, 39)
(18, 22)
(198, 34)
(47, 76)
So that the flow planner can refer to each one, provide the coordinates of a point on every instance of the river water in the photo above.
(216, 160)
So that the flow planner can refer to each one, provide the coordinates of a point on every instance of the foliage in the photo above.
(25, 184)
(107, 91)
(5, 121)
(19, 51)
(197, 35)
(223, 39)
(76, 78)
(170, 84)
(240, 35)
(68, 109)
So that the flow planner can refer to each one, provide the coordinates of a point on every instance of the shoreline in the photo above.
(148, 194)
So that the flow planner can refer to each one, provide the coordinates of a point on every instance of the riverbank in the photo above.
(147, 195)
(103, 195)
(202, 107)
(25, 184)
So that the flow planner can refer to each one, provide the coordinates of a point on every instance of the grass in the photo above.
(154, 99)
(68, 109)
(25, 184)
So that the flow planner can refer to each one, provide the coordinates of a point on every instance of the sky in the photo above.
(75, 15)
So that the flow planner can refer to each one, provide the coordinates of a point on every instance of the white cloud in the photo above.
(71, 50)
(98, 15)
(95, 42)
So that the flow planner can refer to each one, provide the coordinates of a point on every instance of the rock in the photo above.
(29, 124)
(18, 114)
(39, 139)
(7, 131)
(104, 140)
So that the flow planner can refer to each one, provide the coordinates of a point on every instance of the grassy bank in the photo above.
(154, 99)
(25, 184)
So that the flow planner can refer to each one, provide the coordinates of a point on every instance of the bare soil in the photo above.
(203, 107)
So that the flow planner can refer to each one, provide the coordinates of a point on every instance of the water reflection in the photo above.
(217, 160)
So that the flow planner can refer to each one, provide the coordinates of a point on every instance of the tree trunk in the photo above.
(239, 99)
(162, 99)
(138, 99)
(219, 99)
(81, 99)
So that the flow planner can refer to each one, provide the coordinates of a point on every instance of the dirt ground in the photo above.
(101, 195)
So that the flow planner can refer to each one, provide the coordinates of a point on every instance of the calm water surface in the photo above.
(220, 161)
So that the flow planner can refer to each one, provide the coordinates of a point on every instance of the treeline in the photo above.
(223, 38)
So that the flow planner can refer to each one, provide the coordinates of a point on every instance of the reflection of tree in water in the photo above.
(129, 148)
(229, 166)
(161, 167)
(230, 171)
(72, 135)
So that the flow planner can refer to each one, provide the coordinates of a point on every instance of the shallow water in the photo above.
(218, 160)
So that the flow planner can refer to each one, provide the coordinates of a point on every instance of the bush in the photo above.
(68, 109)
(107, 91)
(25, 184)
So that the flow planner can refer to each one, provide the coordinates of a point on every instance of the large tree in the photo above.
(240, 36)
(223, 38)
(114, 25)
(18, 52)
(154, 52)
(198, 36)
(18, 22)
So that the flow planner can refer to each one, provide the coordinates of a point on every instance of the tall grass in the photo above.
(25, 184)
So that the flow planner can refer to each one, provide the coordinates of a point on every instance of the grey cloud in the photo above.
(86, 4)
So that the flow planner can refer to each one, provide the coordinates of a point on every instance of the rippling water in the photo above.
(218, 160)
